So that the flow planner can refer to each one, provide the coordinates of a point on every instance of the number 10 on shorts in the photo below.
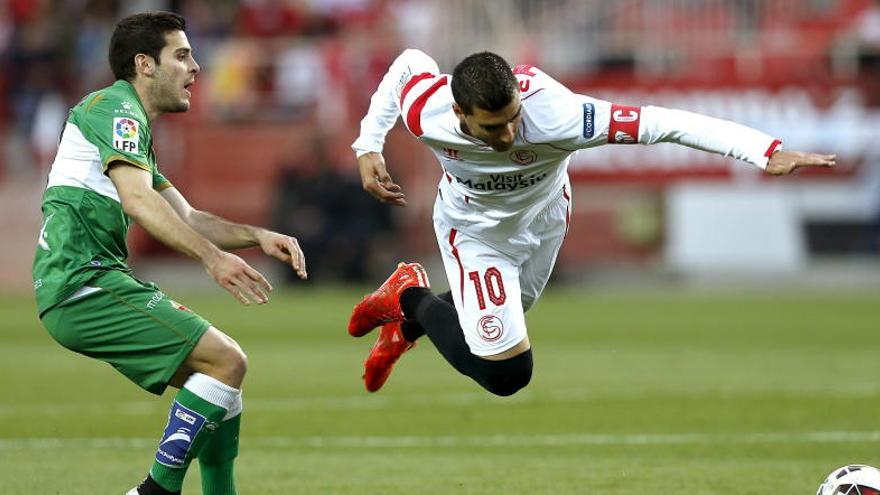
(494, 287)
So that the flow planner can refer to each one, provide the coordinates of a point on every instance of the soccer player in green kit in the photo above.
(103, 178)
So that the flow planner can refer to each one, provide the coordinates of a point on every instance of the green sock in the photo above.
(191, 422)
(217, 458)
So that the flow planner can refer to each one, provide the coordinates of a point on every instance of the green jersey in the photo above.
(84, 227)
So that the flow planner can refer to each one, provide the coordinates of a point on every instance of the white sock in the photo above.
(213, 390)
(235, 408)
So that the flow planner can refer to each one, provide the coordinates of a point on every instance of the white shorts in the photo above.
(493, 284)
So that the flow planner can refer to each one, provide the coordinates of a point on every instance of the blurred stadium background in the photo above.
(284, 84)
(741, 305)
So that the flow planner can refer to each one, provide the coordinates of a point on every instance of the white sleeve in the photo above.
(385, 103)
(571, 120)
(585, 122)
(726, 138)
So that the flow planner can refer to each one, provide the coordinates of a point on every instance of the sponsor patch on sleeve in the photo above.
(589, 120)
(126, 134)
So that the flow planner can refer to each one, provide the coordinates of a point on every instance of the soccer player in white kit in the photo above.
(503, 137)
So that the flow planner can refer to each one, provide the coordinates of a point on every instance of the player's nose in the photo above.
(509, 134)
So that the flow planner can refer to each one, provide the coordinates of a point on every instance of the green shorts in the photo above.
(129, 324)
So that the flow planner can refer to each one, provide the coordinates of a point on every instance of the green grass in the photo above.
(632, 394)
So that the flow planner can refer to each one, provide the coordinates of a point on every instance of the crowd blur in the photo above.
(264, 59)
(318, 61)
(295, 59)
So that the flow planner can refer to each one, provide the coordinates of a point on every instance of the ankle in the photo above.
(150, 487)
(410, 299)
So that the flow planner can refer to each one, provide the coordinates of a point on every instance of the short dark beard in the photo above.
(167, 103)
(178, 108)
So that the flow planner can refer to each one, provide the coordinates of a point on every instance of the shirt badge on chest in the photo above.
(524, 157)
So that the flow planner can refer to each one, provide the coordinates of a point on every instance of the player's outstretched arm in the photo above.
(785, 162)
(155, 215)
(376, 180)
(657, 124)
(380, 118)
(230, 235)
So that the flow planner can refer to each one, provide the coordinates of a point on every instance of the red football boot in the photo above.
(383, 305)
(385, 352)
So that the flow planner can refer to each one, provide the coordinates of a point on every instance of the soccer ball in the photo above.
(855, 479)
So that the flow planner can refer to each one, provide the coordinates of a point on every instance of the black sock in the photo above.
(439, 321)
(412, 329)
(150, 487)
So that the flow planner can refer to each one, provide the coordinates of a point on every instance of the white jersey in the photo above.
(492, 195)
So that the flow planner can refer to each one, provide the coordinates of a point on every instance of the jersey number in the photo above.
(524, 69)
(494, 287)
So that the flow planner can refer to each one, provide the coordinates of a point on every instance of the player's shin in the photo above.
(439, 321)
(216, 460)
(196, 413)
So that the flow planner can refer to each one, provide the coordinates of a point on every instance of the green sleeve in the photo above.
(160, 183)
(117, 129)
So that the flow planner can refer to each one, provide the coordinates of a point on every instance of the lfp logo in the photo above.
(126, 128)
(125, 134)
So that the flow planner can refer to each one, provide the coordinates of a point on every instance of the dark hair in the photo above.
(483, 80)
(140, 33)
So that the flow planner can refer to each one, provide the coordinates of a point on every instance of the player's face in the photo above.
(497, 129)
(176, 72)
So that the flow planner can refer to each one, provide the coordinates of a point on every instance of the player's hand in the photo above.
(285, 248)
(377, 182)
(235, 275)
(786, 162)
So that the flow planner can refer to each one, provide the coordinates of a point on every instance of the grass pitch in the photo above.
(632, 394)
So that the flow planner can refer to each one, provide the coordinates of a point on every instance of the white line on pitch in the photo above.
(365, 402)
(368, 442)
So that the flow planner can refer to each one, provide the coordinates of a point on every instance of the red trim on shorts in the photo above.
(412, 82)
(452, 234)
(567, 208)
(775, 144)
(414, 116)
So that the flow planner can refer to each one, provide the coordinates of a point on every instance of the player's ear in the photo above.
(457, 109)
(144, 64)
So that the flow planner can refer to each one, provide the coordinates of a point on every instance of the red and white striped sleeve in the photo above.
(408, 68)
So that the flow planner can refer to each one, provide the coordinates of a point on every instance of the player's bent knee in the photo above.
(235, 362)
(219, 356)
(506, 377)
